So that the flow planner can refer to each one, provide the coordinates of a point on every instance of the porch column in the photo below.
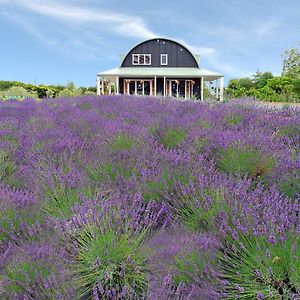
(109, 88)
(117, 85)
(217, 88)
(221, 88)
(155, 86)
(202, 85)
(164, 86)
(98, 86)
(102, 86)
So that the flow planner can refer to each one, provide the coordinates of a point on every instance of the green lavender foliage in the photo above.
(25, 273)
(159, 188)
(111, 258)
(59, 199)
(7, 166)
(198, 212)
(121, 142)
(233, 119)
(172, 137)
(289, 184)
(188, 265)
(244, 161)
(252, 265)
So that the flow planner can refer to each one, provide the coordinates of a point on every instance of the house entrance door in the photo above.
(138, 87)
(172, 88)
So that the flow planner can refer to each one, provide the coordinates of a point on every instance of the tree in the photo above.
(17, 92)
(65, 93)
(281, 84)
(261, 79)
(291, 63)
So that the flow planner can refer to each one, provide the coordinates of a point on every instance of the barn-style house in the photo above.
(162, 67)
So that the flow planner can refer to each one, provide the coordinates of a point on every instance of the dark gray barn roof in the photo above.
(179, 55)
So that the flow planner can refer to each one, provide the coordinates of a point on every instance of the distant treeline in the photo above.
(17, 89)
(265, 86)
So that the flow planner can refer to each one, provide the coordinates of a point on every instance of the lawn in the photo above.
(119, 197)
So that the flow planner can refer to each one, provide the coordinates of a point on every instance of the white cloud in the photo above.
(197, 49)
(72, 29)
(120, 24)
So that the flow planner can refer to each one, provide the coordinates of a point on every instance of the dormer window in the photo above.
(164, 59)
(141, 59)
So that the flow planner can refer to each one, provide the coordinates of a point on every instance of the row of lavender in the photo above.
(130, 198)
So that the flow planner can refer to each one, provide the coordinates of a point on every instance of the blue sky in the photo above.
(56, 41)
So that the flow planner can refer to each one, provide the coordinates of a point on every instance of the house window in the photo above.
(164, 59)
(141, 59)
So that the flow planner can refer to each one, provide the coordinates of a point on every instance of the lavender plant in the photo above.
(172, 137)
(108, 262)
(257, 267)
(128, 198)
(245, 161)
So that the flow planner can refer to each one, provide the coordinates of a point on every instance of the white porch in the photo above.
(167, 82)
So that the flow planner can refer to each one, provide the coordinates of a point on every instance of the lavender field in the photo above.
(119, 197)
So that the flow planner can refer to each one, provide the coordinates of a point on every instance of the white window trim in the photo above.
(161, 59)
(139, 55)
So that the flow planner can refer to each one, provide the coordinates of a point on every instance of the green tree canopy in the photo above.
(261, 79)
(291, 63)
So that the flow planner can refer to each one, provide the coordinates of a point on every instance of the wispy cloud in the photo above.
(197, 49)
(66, 26)
(121, 24)
(265, 27)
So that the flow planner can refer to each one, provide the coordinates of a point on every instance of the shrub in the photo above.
(59, 199)
(200, 144)
(7, 166)
(189, 265)
(160, 187)
(244, 161)
(172, 137)
(27, 277)
(108, 261)
(109, 172)
(289, 184)
(121, 142)
(233, 119)
(85, 106)
(253, 267)
(204, 123)
(199, 211)
(12, 222)
(291, 131)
